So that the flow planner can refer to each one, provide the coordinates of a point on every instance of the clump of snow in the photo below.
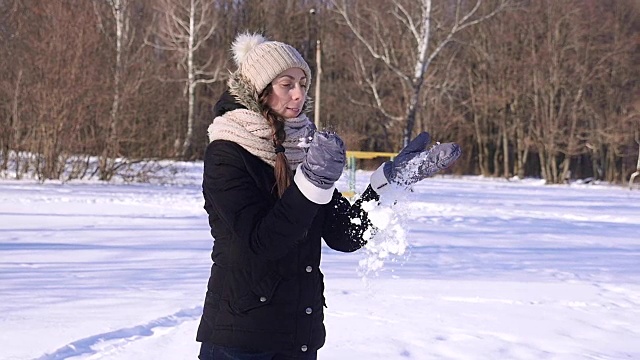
(388, 240)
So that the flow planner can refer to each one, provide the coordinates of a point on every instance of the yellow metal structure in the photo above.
(369, 154)
(352, 156)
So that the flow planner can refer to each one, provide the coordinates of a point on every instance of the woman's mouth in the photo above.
(295, 110)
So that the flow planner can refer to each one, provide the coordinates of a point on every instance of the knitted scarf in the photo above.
(252, 131)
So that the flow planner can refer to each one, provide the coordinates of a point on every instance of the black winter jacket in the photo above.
(265, 291)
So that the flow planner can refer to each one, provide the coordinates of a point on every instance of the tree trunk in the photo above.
(111, 149)
(505, 148)
(191, 83)
(14, 139)
(421, 66)
(522, 150)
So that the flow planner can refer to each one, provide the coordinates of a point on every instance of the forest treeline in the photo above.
(537, 88)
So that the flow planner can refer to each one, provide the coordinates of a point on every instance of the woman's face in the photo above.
(289, 93)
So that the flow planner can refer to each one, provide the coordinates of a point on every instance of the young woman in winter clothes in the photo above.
(269, 192)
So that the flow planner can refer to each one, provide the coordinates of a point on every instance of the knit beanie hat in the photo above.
(260, 60)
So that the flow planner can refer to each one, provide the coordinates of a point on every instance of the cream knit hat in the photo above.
(260, 60)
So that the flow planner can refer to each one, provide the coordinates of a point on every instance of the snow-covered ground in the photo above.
(492, 269)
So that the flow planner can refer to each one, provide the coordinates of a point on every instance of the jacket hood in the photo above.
(245, 94)
(226, 103)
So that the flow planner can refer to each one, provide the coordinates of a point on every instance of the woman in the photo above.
(269, 192)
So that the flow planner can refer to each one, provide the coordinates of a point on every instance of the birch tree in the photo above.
(118, 28)
(110, 151)
(107, 159)
(183, 28)
(414, 21)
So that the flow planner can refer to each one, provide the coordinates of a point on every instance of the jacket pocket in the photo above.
(261, 294)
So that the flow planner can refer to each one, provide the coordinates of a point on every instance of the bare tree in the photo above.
(61, 83)
(183, 28)
(414, 20)
(11, 84)
(120, 11)
(573, 74)
(637, 172)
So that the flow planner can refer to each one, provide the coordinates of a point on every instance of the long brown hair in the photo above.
(281, 170)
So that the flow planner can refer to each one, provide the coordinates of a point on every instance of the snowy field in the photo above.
(493, 269)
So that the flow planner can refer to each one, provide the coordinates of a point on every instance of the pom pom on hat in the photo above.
(243, 44)
(260, 60)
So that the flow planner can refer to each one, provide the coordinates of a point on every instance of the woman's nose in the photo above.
(297, 92)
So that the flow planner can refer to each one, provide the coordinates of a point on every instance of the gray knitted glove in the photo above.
(415, 162)
(325, 159)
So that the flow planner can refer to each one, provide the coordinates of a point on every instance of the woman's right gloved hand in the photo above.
(325, 159)
(415, 162)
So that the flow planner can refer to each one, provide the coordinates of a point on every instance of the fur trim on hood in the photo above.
(244, 93)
